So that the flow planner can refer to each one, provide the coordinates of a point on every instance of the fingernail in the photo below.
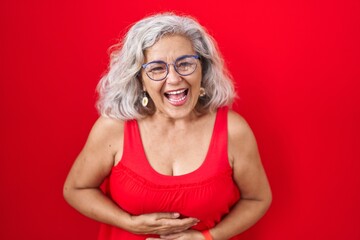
(176, 214)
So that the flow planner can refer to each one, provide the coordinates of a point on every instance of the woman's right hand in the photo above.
(161, 223)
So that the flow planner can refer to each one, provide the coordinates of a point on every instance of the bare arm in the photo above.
(92, 166)
(249, 176)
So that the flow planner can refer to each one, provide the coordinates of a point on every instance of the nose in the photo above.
(173, 77)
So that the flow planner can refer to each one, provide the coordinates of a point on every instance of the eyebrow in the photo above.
(176, 59)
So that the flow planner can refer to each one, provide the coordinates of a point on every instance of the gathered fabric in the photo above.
(208, 193)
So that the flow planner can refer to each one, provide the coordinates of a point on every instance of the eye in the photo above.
(156, 68)
(184, 64)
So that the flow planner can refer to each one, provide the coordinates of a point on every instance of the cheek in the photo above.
(197, 79)
(199, 75)
(153, 88)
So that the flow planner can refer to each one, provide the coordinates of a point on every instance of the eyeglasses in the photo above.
(158, 70)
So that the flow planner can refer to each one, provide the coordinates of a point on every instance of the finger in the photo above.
(179, 224)
(175, 229)
(188, 221)
(167, 215)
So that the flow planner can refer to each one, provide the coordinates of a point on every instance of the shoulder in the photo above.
(237, 125)
(106, 132)
(107, 127)
(241, 139)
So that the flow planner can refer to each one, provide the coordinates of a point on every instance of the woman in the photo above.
(180, 164)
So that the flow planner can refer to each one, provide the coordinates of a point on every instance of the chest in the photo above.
(177, 152)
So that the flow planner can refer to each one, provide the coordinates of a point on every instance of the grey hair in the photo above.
(120, 89)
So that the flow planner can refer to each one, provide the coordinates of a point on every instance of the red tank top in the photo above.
(208, 193)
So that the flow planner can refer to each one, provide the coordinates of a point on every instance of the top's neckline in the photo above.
(150, 170)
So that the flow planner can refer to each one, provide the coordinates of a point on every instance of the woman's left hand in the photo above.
(186, 235)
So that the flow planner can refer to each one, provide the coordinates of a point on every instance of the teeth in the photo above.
(176, 92)
(177, 100)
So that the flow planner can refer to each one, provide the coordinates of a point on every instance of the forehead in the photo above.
(168, 48)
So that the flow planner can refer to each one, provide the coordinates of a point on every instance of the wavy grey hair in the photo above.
(120, 89)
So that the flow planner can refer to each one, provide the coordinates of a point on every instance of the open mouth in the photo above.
(177, 97)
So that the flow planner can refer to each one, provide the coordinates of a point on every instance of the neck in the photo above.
(161, 120)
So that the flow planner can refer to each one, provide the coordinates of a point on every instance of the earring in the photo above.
(202, 92)
(144, 100)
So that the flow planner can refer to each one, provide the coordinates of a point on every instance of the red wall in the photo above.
(296, 66)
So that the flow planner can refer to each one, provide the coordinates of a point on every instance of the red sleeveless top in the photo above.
(208, 193)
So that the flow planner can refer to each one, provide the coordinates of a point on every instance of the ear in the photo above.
(143, 85)
(141, 81)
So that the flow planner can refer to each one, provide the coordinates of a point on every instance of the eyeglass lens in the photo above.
(158, 70)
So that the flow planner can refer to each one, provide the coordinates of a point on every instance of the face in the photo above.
(175, 96)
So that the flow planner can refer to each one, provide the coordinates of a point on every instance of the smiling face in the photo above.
(176, 96)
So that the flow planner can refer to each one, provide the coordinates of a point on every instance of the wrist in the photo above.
(132, 224)
(207, 235)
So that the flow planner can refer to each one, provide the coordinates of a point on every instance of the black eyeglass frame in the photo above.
(174, 64)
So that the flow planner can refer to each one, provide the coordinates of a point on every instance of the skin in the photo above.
(165, 135)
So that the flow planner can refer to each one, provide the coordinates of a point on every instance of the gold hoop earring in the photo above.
(202, 92)
(144, 100)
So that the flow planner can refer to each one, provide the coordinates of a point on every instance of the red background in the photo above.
(296, 66)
